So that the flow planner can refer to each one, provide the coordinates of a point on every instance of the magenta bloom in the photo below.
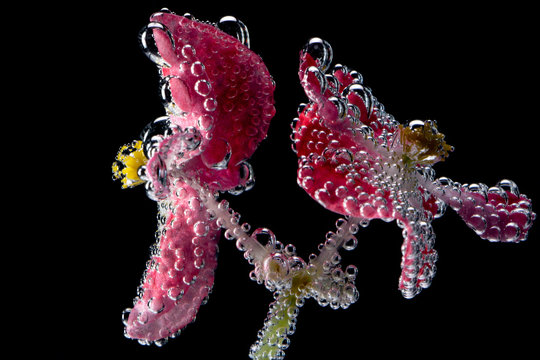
(218, 95)
(356, 159)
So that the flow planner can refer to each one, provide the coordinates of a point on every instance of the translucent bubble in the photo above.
(350, 243)
(308, 182)
(509, 185)
(235, 28)
(153, 133)
(167, 99)
(179, 264)
(156, 305)
(340, 104)
(125, 316)
(319, 75)
(321, 51)
(511, 232)
(189, 279)
(200, 228)
(197, 68)
(416, 124)
(493, 233)
(147, 43)
(264, 236)
(351, 272)
(198, 251)
(175, 293)
(363, 93)
(142, 317)
(188, 52)
(210, 104)
(350, 204)
(323, 196)
(205, 122)
(203, 87)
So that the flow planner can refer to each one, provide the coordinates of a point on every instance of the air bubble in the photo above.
(200, 228)
(350, 204)
(478, 223)
(512, 231)
(510, 186)
(319, 75)
(188, 52)
(142, 318)
(235, 28)
(350, 243)
(322, 196)
(156, 305)
(205, 122)
(351, 272)
(321, 51)
(147, 43)
(179, 264)
(341, 191)
(416, 125)
(341, 106)
(264, 236)
(167, 98)
(363, 93)
(153, 133)
(197, 68)
(189, 280)
(203, 87)
(210, 104)
(125, 316)
(308, 182)
(175, 293)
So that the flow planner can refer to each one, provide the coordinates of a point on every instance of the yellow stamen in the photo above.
(423, 144)
(129, 159)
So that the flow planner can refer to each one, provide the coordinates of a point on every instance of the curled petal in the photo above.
(499, 213)
(180, 273)
(217, 85)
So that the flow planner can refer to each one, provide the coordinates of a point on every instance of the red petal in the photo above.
(337, 171)
(216, 79)
(181, 272)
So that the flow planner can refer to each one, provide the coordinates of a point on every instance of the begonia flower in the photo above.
(357, 160)
(218, 96)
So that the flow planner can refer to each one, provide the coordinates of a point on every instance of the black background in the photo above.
(471, 68)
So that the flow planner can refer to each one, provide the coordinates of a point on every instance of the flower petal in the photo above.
(180, 274)
(214, 78)
(499, 213)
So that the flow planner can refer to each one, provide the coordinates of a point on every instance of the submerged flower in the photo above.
(357, 160)
(218, 96)
(354, 159)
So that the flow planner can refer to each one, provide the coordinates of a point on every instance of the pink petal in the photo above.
(337, 171)
(499, 213)
(225, 89)
(180, 274)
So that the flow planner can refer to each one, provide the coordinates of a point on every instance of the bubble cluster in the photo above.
(497, 213)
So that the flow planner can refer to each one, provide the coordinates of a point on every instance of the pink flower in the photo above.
(218, 95)
(356, 159)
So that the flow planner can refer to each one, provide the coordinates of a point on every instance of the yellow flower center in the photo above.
(423, 143)
(129, 159)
